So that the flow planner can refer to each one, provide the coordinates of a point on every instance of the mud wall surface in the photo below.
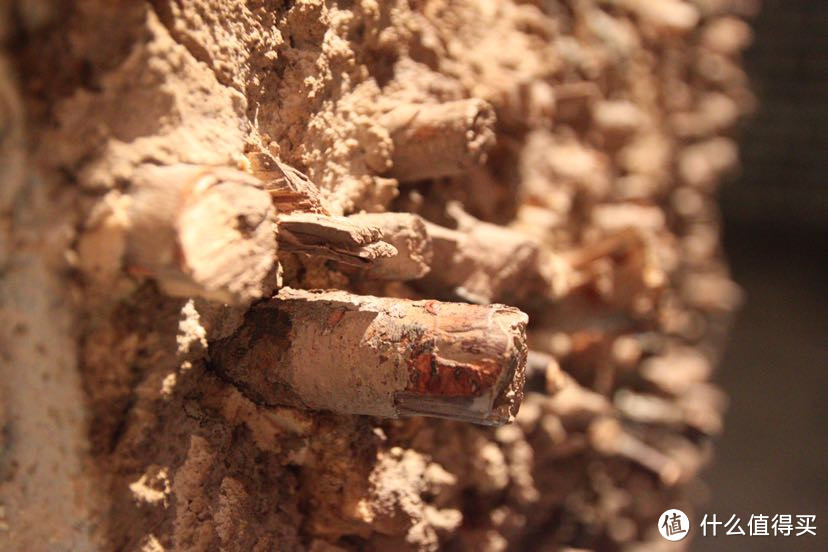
(170, 167)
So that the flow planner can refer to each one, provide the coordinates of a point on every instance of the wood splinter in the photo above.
(439, 140)
(332, 350)
(289, 188)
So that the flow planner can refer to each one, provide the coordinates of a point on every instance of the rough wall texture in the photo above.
(614, 122)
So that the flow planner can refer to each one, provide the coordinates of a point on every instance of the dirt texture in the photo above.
(570, 152)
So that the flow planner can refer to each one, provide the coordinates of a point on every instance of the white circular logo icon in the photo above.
(673, 525)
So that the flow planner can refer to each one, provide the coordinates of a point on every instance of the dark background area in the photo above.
(773, 456)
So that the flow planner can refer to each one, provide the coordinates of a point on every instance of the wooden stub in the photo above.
(437, 140)
(201, 231)
(407, 233)
(675, 16)
(332, 350)
(483, 263)
(335, 238)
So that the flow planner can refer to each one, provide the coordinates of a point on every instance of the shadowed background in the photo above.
(773, 456)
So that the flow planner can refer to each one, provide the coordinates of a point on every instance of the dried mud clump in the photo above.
(181, 178)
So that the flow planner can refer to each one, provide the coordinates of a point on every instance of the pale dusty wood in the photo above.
(201, 231)
(667, 15)
(437, 140)
(609, 437)
(482, 262)
(408, 234)
(335, 238)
